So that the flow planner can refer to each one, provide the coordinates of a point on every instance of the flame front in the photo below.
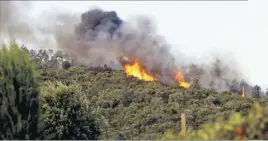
(135, 69)
(180, 79)
(243, 92)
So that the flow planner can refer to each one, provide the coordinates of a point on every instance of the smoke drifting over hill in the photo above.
(12, 21)
(98, 37)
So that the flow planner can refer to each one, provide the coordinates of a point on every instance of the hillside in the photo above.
(137, 109)
(111, 78)
(73, 101)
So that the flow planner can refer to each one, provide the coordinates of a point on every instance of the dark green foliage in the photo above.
(128, 108)
(66, 65)
(67, 115)
(145, 110)
(19, 112)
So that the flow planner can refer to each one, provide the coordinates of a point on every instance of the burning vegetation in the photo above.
(180, 79)
(135, 69)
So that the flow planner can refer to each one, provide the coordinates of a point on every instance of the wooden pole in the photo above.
(183, 124)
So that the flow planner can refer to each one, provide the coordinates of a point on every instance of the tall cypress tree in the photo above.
(19, 96)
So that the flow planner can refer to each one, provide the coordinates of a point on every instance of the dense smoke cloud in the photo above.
(11, 21)
(98, 37)
(16, 22)
(221, 74)
(109, 37)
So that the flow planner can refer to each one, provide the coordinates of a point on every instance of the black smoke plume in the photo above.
(99, 37)
(104, 37)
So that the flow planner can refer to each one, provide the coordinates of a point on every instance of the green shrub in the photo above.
(19, 105)
(254, 126)
(67, 114)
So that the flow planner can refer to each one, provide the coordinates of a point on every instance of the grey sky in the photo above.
(198, 28)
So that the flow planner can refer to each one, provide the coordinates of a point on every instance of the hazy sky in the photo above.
(199, 28)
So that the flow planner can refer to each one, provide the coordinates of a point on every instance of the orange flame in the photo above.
(180, 79)
(243, 92)
(136, 70)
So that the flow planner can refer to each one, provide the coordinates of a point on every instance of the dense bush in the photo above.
(254, 126)
(19, 112)
(67, 114)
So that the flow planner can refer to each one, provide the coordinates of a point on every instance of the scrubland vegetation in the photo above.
(46, 95)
